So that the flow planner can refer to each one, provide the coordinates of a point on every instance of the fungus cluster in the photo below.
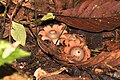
(74, 45)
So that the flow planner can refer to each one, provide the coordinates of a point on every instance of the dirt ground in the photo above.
(98, 40)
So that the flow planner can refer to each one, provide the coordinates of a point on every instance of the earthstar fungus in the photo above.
(67, 38)
(52, 33)
(76, 48)
(73, 45)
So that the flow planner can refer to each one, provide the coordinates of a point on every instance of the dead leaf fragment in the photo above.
(93, 15)
(40, 73)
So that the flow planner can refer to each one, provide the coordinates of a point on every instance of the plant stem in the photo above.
(4, 25)
(11, 16)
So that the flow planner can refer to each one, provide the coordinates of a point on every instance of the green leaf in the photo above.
(96, 50)
(10, 49)
(1, 0)
(17, 53)
(47, 17)
(18, 32)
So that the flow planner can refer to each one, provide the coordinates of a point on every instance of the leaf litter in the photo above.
(85, 17)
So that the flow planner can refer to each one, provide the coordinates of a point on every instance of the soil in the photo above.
(103, 64)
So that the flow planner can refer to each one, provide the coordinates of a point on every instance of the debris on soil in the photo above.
(39, 73)
(16, 76)
(65, 43)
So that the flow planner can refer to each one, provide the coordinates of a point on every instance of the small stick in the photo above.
(61, 34)
(53, 73)
(117, 35)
